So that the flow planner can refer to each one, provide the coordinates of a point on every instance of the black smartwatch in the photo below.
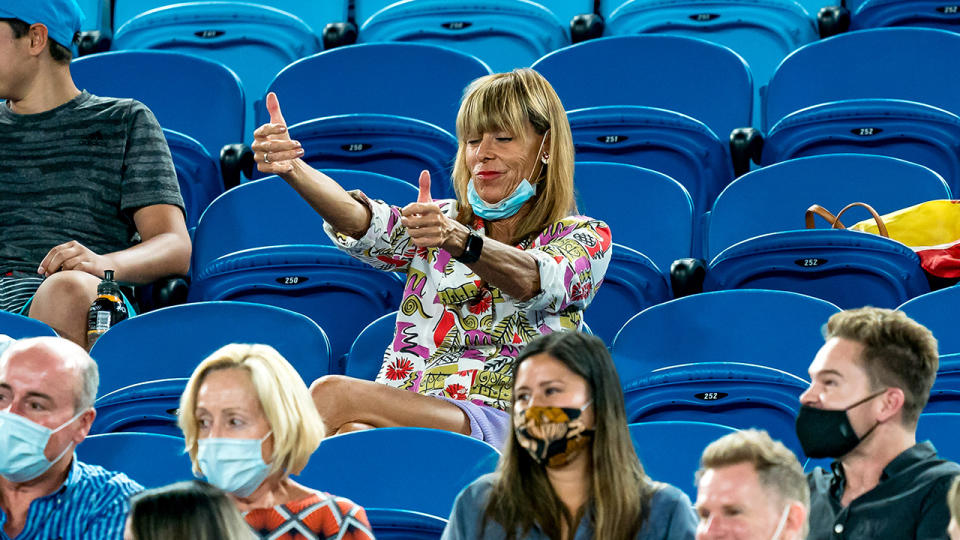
(472, 249)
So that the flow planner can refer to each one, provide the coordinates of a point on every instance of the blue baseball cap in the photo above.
(61, 17)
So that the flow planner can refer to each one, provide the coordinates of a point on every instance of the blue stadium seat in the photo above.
(425, 82)
(727, 393)
(362, 466)
(763, 32)
(198, 174)
(632, 283)
(650, 115)
(255, 41)
(210, 109)
(396, 524)
(316, 14)
(925, 13)
(848, 268)
(366, 354)
(638, 221)
(774, 198)
(506, 34)
(19, 326)
(769, 328)
(941, 429)
(565, 10)
(261, 242)
(670, 451)
(937, 311)
(396, 146)
(144, 407)
(151, 459)
(945, 394)
(96, 16)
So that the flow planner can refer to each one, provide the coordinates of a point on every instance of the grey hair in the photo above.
(89, 381)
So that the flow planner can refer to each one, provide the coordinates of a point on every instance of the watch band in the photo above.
(472, 249)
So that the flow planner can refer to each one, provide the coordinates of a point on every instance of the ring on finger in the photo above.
(265, 158)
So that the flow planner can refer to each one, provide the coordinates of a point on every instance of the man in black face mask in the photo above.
(871, 379)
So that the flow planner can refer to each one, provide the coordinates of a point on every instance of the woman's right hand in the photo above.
(273, 149)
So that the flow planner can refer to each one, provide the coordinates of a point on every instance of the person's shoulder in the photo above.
(479, 490)
(104, 484)
(667, 496)
(125, 107)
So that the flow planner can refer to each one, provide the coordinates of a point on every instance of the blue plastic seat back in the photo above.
(19, 326)
(637, 203)
(144, 407)
(848, 268)
(197, 173)
(96, 15)
(925, 13)
(366, 354)
(945, 394)
(775, 198)
(397, 524)
(352, 79)
(655, 71)
(937, 311)
(763, 32)
(565, 10)
(314, 14)
(396, 146)
(254, 41)
(506, 34)
(868, 64)
(727, 393)
(941, 429)
(769, 328)
(670, 451)
(150, 459)
(632, 283)
(171, 342)
(210, 109)
(371, 480)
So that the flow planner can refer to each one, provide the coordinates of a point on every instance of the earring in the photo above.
(545, 158)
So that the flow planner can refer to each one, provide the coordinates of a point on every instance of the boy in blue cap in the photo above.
(87, 182)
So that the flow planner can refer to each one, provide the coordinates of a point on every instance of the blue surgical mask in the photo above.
(510, 204)
(233, 465)
(22, 443)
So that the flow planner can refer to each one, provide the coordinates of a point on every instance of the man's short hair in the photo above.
(777, 467)
(898, 352)
(89, 380)
(58, 52)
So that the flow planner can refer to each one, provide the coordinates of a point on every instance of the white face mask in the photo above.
(22, 443)
(782, 524)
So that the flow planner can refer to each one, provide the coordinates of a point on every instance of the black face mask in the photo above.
(828, 433)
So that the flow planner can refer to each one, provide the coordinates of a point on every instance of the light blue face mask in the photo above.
(22, 443)
(233, 465)
(510, 204)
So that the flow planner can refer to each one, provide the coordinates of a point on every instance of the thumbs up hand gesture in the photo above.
(273, 149)
(426, 224)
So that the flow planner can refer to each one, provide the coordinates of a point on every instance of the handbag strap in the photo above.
(817, 210)
(876, 217)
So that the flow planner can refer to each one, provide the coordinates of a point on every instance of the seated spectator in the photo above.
(194, 510)
(248, 424)
(751, 487)
(509, 259)
(47, 389)
(871, 379)
(569, 469)
(87, 183)
(953, 500)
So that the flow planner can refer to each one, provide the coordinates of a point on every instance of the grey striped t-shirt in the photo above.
(79, 172)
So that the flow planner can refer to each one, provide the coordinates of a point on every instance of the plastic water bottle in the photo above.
(107, 310)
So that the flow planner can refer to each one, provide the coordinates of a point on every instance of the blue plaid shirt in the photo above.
(92, 503)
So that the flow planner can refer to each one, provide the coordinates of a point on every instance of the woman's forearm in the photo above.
(344, 213)
(512, 270)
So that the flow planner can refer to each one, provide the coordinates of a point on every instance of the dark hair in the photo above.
(620, 490)
(192, 509)
(58, 52)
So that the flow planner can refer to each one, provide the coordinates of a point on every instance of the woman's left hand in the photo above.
(427, 225)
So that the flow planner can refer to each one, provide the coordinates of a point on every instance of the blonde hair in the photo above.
(953, 499)
(293, 417)
(506, 102)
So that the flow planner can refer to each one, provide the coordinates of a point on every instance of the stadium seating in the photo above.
(650, 115)
(353, 79)
(197, 173)
(373, 480)
(727, 393)
(774, 198)
(937, 311)
(261, 242)
(565, 10)
(19, 326)
(763, 32)
(941, 429)
(210, 109)
(657, 217)
(506, 34)
(96, 15)
(632, 283)
(366, 354)
(145, 407)
(770, 328)
(396, 524)
(670, 451)
(925, 13)
(151, 459)
(254, 41)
